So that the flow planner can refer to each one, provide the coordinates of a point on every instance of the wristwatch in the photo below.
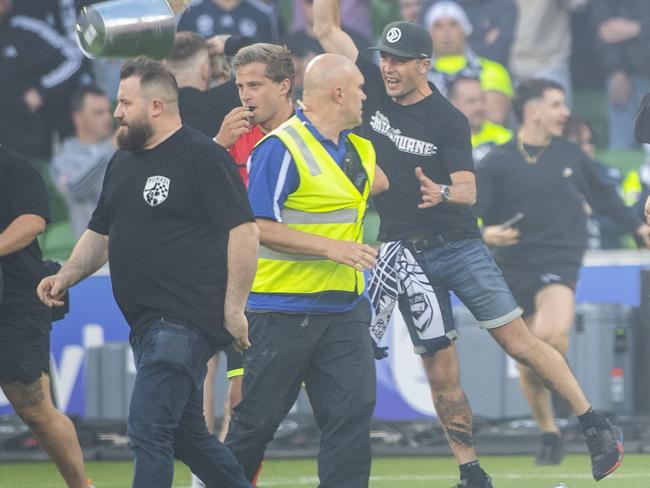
(445, 192)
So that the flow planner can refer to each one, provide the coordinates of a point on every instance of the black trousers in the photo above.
(333, 355)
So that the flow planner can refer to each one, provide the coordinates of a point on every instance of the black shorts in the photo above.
(234, 363)
(526, 280)
(24, 349)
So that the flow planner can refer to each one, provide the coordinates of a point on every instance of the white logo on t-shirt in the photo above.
(247, 27)
(227, 21)
(393, 35)
(380, 124)
(205, 25)
(156, 190)
(10, 51)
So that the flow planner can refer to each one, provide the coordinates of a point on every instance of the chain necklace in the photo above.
(524, 154)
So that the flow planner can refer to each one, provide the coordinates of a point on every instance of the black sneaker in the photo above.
(466, 484)
(605, 444)
(551, 451)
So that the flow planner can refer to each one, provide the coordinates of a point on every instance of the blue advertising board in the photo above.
(95, 319)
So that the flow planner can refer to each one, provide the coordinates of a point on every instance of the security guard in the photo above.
(308, 186)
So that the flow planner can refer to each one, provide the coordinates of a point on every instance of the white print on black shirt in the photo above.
(156, 190)
(380, 123)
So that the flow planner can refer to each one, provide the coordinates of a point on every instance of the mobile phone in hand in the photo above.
(512, 221)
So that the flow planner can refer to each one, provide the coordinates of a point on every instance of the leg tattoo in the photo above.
(456, 418)
(24, 395)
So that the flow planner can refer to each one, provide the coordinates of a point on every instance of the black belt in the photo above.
(420, 245)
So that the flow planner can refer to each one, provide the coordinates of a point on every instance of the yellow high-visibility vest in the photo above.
(632, 187)
(326, 203)
(489, 136)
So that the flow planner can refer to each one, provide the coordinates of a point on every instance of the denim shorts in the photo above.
(466, 267)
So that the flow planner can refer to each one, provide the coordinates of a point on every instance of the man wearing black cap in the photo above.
(430, 234)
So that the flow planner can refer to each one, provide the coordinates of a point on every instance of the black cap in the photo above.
(406, 40)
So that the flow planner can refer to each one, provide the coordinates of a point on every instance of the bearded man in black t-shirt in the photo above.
(431, 241)
(25, 323)
(547, 179)
(174, 222)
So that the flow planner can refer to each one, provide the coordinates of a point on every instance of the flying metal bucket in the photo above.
(126, 29)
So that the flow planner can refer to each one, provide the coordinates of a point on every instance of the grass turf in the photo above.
(408, 472)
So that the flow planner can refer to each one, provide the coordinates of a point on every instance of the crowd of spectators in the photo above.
(600, 44)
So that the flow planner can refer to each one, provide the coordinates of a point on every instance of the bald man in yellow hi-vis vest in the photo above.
(308, 186)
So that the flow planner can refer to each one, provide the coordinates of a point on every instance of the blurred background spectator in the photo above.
(453, 56)
(603, 232)
(623, 40)
(542, 43)
(410, 10)
(493, 26)
(467, 96)
(60, 14)
(39, 69)
(252, 18)
(202, 105)
(78, 169)
(355, 16)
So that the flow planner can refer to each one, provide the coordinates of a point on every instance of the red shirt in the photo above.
(242, 148)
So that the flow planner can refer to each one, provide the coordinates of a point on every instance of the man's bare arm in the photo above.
(282, 238)
(89, 254)
(327, 28)
(462, 189)
(380, 182)
(243, 242)
(20, 233)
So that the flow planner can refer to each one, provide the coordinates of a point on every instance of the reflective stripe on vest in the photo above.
(326, 203)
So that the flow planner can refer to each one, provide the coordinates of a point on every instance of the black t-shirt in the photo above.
(22, 192)
(551, 194)
(167, 212)
(205, 110)
(432, 134)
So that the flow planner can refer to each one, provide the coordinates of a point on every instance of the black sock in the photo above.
(472, 472)
(551, 437)
(589, 419)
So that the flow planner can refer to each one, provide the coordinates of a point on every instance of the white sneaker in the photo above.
(196, 482)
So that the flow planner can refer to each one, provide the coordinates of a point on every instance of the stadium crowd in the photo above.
(592, 48)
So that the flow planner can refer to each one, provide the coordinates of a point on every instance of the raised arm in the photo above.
(89, 254)
(327, 27)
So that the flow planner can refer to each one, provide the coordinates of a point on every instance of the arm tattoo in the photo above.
(456, 418)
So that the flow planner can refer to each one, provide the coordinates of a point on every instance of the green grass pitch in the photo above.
(407, 472)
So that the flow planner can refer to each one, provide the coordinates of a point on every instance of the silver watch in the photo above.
(445, 192)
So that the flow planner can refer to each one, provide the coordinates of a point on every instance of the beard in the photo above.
(134, 136)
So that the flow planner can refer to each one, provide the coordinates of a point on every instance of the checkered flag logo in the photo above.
(156, 190)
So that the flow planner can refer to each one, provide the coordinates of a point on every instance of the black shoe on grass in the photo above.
(605, 444)
(552, 450)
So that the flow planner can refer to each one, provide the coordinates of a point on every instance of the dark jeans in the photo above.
(166, 412)
(332, 354)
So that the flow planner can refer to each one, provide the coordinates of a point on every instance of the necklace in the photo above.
(524, 154)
